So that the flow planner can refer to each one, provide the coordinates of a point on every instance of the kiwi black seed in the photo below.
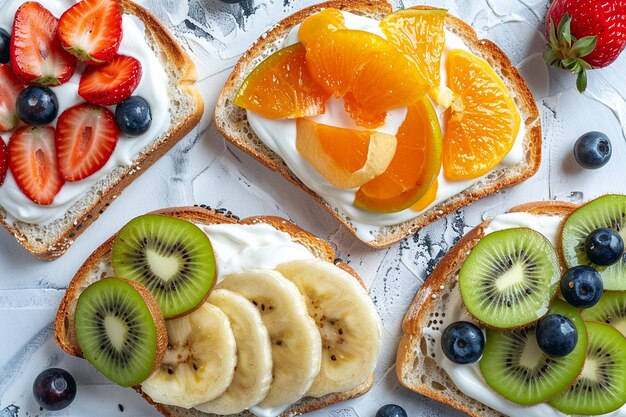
(601, 388)
(514, 365)
(120, 330)
(509, 278)
(606, 211)
(173, 258)
(611, 309)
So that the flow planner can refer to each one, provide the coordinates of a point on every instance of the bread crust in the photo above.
(429, 296)
(182, 75)
(231, 120)
(63, 324)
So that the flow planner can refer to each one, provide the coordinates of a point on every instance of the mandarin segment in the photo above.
(428, 198)
(313, 26)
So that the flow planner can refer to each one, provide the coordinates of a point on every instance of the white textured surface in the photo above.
(202, 169)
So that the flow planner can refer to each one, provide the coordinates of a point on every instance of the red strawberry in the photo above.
(92, 30)
(4, 161)
(85, 139)
(585, 34)
(37, 56)
(33, 163)
(111, 83)
(10, 87)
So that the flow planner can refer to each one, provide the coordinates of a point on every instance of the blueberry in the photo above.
(604, 246)
(5, 42)
(391, 410)
(592, 150)
(54, 389)
(37, 105)
(556, 335)
(463, 342)
(133, 116)
(582, 286)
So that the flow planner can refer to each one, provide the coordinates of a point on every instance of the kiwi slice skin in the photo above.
(610, 309)
(606, 211)
(509, 278)
(172, 258)
(120, 330)
(516, 368)
(601, 388)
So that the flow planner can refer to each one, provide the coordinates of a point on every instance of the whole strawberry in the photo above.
(585, 34)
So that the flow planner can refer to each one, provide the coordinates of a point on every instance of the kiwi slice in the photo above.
(120, 330)
(514, 365)
(606, 211)
(611, 309)
(173, 258)
(509, 278)
(601, 388)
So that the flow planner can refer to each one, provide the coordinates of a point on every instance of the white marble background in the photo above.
(202, 169)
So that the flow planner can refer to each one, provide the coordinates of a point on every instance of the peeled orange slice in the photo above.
(483, 121)
(347, 158)
(428, 198)
(315, 25)
(281, 87)
(414, 167)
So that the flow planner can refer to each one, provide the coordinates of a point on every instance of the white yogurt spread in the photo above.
(153, 87)
(280, 136)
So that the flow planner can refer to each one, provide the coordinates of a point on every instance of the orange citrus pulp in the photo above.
(428, 198)
(315, 25)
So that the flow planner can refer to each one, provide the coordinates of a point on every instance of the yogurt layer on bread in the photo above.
(153, 87)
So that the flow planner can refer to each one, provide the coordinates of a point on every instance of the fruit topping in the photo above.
(604, 246)
(509, 278)
(346, 158)
(33, 163)
(4, 161)
(592, 150)
(556, 335)
(462, 342)
(133, 116)
(606, 211)
(483, 122)
(37, 105)
(428, 199)
(515, 367)
(91, 30)
(5, 47)
(112, 82)
(414, 167)
(120, 330)
(173, 258)
(611, 309)
(391, 410)
(37, 56)
(329, 19)
(601, 387)
(54, 389)
(86, 137)
(10, 87)
(582, 286)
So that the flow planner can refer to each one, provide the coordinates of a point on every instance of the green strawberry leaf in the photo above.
(564, 29)
(581, 81)
(584, 46)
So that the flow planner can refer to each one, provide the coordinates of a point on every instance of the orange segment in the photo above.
(428, 198)
(327, 20)
(483, 122)
(281, 87)
(346, 158)
(414, 167)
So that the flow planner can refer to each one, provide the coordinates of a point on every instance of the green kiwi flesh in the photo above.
(171, 257)
(611, 309)
(509, 278)
(601, 388)
(606, 211)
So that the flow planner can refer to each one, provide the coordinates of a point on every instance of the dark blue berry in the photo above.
(592, 150)
(391, 410)
(133, 116)
(37, 105)
(54, 389)
(463, 342)
(556, 335)
(5, 42)
(604, 246)
(582, 286)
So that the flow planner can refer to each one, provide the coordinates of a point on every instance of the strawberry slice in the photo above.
(91, 30)
(33, 163)
(111, 83)
(4, 161)
(85, 139)
(10, 87)
(37, 56)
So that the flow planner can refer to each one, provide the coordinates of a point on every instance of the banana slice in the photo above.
(347, 320)
(200, 361)
(296, 342)
(253, 375)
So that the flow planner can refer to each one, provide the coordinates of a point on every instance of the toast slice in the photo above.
(186, 108)
(92, 270)
(232, 121)
(416, 370)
